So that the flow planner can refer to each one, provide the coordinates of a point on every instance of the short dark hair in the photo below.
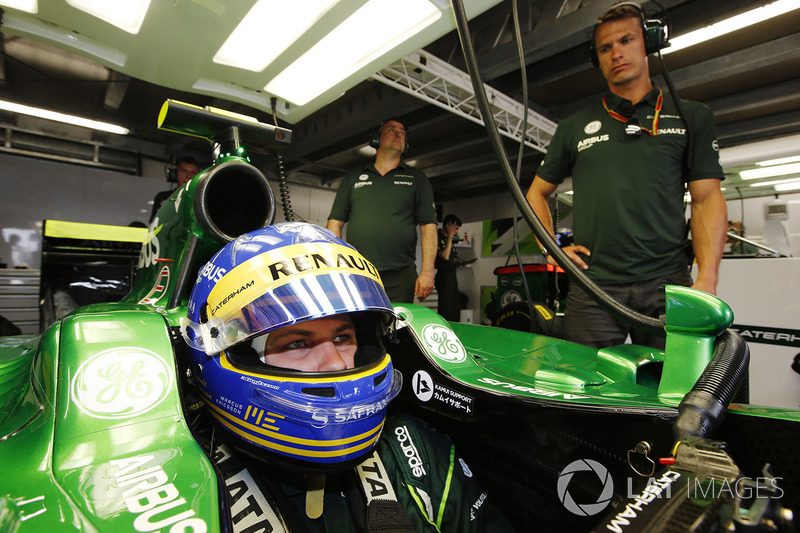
(186, 159)
(619, 11)
(451, 218)
(375, 139)
(396, 119)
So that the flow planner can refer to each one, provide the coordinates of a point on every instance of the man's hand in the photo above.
(708, 286)
(335, 226)
(424, 286)
(572, 252)
(451, 229)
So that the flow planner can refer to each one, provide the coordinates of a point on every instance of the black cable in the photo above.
(738, 244)
(652, 326)
(521, 54)
(688, 154)
(283, 186)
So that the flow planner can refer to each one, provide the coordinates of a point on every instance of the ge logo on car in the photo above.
(443, 343)
(120, 383)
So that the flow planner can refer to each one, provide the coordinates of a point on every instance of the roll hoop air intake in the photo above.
(703, 408)
(233, 198)
(230, 198)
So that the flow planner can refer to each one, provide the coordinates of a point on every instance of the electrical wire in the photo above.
(523, 71)
(638, 320)
(283, 185)
(688, 154)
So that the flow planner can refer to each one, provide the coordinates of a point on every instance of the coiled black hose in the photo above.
(703, 407)
(283, 186)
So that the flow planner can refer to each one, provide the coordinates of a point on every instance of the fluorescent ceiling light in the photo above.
(127, 15)
(357, 41)
(62, 117)
(29, 6)
(776, 182)
(732, 24)
(252, 48)
(793, 186)
(781, 161)
(768, 172)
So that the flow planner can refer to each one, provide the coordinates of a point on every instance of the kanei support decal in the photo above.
(426, 390)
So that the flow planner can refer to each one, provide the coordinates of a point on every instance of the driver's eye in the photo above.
(295, 345)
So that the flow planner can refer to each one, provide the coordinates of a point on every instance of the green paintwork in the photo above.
(101, 404)
(94, 400)
(694, 319)
(92, 431)
(167, 244)
(545, 369)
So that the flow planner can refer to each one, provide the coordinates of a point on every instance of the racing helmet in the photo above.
(268, 279)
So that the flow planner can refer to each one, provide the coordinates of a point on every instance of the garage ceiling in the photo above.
(750, 79)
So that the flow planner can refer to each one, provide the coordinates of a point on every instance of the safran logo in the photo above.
(586, 509)
(363, 177)
(592, 127)
(443, 343)
(120, 383)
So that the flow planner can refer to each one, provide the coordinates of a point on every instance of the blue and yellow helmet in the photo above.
(268, 279)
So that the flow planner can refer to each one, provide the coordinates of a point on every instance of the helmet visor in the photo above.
(304, 297)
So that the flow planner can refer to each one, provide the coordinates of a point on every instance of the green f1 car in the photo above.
(97, 431)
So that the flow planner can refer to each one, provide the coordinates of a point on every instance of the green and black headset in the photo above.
(375, 139)
(654, 28)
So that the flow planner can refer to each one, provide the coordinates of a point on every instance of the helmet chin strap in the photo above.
(315, 495)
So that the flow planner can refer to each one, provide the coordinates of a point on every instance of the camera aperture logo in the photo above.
(585, 509)
(698, 487)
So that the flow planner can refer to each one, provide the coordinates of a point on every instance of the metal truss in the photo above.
(439, 83)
